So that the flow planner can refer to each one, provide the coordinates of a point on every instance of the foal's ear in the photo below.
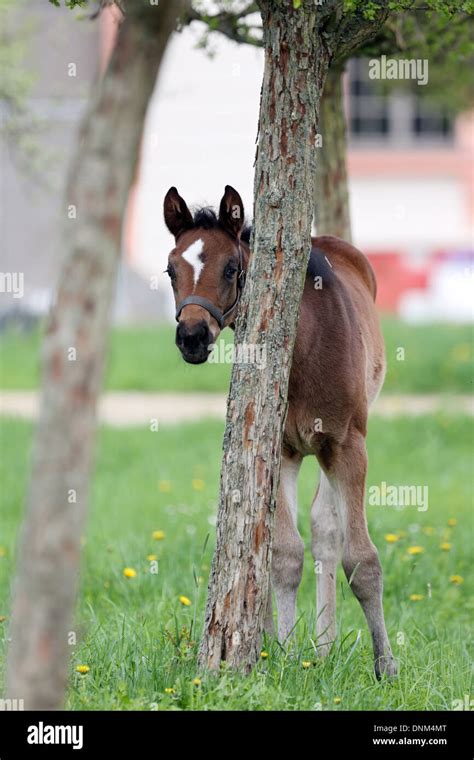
(231, 211)
(177, 215)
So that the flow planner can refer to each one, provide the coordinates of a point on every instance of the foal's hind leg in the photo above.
(288, 548)
(360, 558)
(327, 549)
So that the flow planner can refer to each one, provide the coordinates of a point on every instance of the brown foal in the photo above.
(337, 372)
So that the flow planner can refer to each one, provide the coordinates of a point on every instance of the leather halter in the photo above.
(213, 310)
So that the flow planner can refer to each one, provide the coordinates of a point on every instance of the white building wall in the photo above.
(414, 213)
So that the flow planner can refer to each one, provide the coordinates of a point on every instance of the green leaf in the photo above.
(296, 3)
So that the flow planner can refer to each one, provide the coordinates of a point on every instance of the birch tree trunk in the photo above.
(74, 349)
(295, 68)
(331, 192)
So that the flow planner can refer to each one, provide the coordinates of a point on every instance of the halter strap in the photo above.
(199, 301)
(209, 306)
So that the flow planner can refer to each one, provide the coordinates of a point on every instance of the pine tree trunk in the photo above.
(331, 198)
(42, 634)
(295, 67)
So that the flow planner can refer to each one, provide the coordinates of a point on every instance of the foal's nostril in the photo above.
(180, 333)
(202, 334)
(193, 338)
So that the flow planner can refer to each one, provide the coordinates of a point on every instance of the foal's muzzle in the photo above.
(193, 341)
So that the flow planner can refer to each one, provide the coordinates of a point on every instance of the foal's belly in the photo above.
(313, 425)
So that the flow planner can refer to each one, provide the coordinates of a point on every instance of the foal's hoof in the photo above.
(385, 666)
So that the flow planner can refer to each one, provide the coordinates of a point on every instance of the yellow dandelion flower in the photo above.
(196, 681)
(83, 669)
(129, 572)
(164, 486)
(391, 538)
(445, 546)
(264, 655)
(158, 535)
(198, 484)
(415, 550)
(152, 557)
(169, 690)
(337, 700)
(456, 579)
(452, 522)
(185, 601)
(306, 664)
(416, 597)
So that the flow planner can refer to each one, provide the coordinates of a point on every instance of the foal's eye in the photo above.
(229, 272)
(170, 271)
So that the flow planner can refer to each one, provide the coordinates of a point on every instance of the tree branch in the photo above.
(227, 23)
(355, 30)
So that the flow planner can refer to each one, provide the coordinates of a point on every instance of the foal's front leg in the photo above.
(288, 549)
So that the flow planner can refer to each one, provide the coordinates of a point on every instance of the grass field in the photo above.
(139, 641)
(437, 358)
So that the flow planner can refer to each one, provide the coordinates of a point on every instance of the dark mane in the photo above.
(205, 218)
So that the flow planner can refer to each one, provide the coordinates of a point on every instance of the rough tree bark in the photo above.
(74, 349)
(295, 68)
(331, 192)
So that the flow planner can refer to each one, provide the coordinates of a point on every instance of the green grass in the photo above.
(437, 358)
(138, 640)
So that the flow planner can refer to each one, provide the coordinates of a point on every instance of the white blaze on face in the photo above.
(193, 257)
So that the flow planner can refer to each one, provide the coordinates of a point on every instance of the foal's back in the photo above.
(338, 361)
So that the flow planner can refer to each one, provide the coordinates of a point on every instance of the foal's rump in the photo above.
(344, 254)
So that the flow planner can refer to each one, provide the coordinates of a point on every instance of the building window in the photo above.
(368, 109)
(401, 117)
(430, 121)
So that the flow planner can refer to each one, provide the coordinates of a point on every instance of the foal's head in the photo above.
(206, 270)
